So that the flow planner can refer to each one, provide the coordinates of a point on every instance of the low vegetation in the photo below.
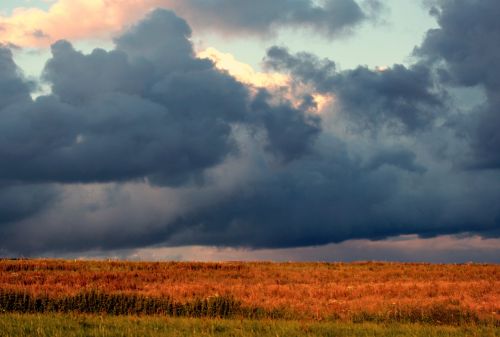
(118, 304)
(16, 325)
(360, 292)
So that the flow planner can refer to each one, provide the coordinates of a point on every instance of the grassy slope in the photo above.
(13, 325)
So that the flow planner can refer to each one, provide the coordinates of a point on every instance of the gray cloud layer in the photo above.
(262, 17)
(147, 144)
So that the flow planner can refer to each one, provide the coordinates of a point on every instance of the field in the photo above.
(281, 298)
(88, 326)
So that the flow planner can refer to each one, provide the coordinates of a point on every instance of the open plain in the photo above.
(365, 296)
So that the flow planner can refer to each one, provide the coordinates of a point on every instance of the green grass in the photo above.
(55, 325)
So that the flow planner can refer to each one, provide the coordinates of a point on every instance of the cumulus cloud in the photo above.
(149, 108)
(465, 44)
(147, 111)
(37, 27)
(403, 99)
(13, 88)
(149, 144)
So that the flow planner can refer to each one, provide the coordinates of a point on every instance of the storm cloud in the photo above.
(12, 87)
(467, 44)
(147, 144)
(149, 108)
(400, 98)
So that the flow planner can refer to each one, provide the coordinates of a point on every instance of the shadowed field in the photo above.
(359, 292)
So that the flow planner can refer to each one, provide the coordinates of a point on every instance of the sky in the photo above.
(286, 130)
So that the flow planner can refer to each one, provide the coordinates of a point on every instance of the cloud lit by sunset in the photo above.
(242, 71)
(69, 19)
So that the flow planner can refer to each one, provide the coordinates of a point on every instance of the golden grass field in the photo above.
(314, 291)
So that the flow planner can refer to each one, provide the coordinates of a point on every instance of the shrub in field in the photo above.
(118, 304)
(214, 307)
(436, 314)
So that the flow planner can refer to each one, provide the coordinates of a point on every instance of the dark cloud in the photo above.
(304, 67)
(403, 99)
(399, 97)
(290, 131)
(147, 144)
(331, 197)
(465, 40)
(13, 88)
(21, 201)
(162, 41)
(17, 201)
(330, 17)
(465, 51)
(486, 136)
(150, 108)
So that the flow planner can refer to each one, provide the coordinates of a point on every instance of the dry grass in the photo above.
(364, 291)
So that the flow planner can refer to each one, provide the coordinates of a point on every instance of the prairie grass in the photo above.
(118, 304)
(359, 292)
(17, 325)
